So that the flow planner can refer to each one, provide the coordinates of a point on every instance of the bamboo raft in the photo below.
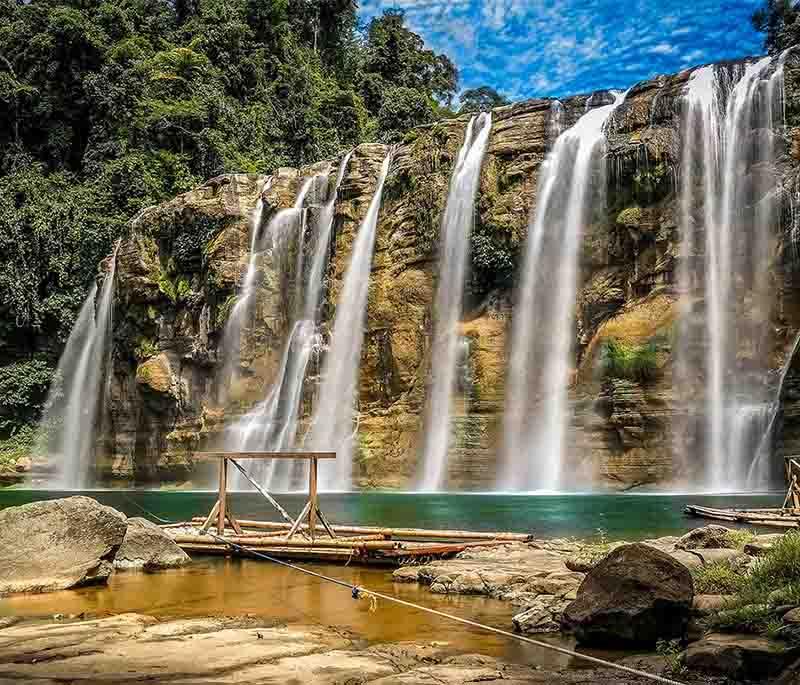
(292, 539)
(788, 516)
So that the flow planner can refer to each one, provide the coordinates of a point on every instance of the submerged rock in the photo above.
(635, 596)
(148, 547)
(58, 544)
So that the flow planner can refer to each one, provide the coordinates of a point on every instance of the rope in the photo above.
(358, 592)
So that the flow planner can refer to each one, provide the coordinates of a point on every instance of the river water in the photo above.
(213, 586)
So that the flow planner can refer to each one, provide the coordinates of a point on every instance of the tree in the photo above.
(779, 21)
(108, 107)
(396, 57)
(481, 99)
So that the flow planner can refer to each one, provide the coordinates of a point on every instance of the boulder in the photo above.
(58, 544)
(709, 604)
(792, 616)
(147, 547)
(406, 574)
(635, 596)
(688, 559)
(714, 555)
(761, 544)
(542, 616)
(745, 657)
(704, 538)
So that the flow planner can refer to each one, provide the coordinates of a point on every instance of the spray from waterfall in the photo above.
(453, 256)
(728, 211)
(572, 182)
(332, 427)
(69, 422)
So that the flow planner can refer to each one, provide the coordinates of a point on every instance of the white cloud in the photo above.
(663, 49)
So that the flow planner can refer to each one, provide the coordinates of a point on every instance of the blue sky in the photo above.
(527, 48)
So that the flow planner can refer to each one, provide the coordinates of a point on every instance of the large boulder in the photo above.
(148, 547)
(58, 544)
(635, 596)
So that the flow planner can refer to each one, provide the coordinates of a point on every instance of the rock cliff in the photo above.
(181, 265)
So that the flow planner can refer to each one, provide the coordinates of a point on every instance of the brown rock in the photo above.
(148, 547)
(58, 544)
(636, 595)
(708, 604)
(739, 656)
(712, 536)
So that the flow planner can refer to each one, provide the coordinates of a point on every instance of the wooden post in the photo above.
(312, 497)
(223, 495)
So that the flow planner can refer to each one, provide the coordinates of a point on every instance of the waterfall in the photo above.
(728, 208)
(542, 330)
(231, 335)
(332, 426)
(317, 272)
(453, 255)
(272, 424)
(758, 475)
(69, 422)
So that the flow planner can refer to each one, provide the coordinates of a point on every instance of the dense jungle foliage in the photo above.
(108, 107)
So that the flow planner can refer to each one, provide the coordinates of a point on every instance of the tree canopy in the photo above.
(107, 107)
(779, 21)
(482, 99)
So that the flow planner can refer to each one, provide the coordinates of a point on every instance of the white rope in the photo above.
(358, 590)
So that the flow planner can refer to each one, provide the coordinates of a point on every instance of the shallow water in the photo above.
(218, 586)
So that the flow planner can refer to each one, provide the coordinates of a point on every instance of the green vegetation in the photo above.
(672, 650)
(109, 107)
(636, 363)
(718, 578)
(773, 582)
(779, 21)
(631, 216)
(481, 99)
(19, 443)
(738, 538)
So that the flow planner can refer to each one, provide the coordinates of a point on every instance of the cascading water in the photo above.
(317, 271)
(70, 419)
(231, 335)
(728, 214)
(541, 344)
(759, 474)
(453, 256)
(272, 424)
(332, 427)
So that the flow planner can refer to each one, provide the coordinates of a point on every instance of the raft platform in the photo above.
(787, 516)
(301, 539)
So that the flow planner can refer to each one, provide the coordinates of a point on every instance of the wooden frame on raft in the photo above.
(792, 466)
(221, 510)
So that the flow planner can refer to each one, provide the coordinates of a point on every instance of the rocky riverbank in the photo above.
(133, 648)
(721, 602)
(714, 605)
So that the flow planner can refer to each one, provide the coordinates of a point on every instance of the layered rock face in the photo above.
(180, 269)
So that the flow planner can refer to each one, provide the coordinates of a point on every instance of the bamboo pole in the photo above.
(256, 543)
(401, 532)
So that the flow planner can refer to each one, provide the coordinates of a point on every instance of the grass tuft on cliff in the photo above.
(629, 362)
